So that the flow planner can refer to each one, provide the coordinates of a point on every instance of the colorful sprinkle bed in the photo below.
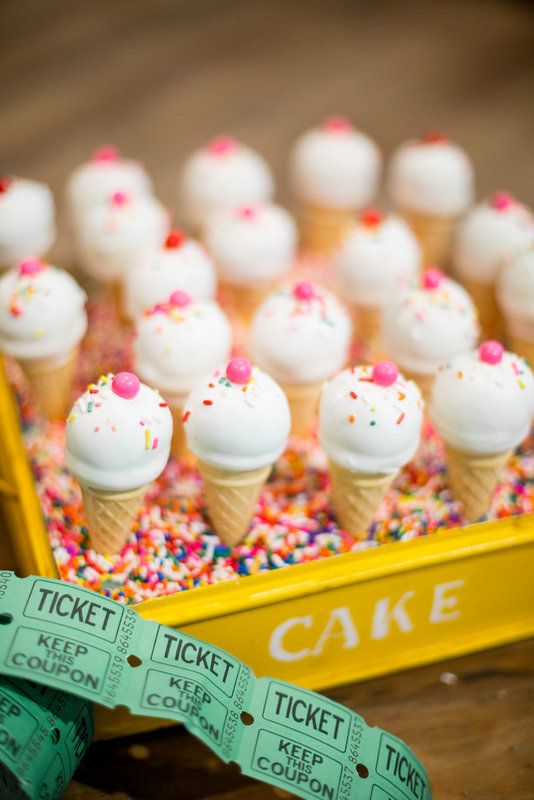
(172, 546)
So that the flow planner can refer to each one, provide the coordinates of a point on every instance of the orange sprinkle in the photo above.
(401, 395)
(352, 419)
(354, 395)
(208, 402)
(460, 374)
(186, 416)
(163, 405)
(400, 418)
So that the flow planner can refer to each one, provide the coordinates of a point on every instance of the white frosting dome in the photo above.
(158, 272)
(483, 408)
(431, 176)
(117, 443)
(252, 244)
(515, 293)
(27, 220)
(378, 256)
(94, 181)
(491, 234)
(223, 174)
(335, 166)
(177, 346)
(367, 427)
(237, 427)
(300, 340)
(114, 233)
(426, 326)
(42, 312)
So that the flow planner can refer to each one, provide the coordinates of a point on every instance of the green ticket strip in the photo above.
(63, 647)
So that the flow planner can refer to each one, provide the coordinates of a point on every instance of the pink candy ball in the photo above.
(107, 154)
(385, 373)
(126, 385)
(119, 198)
(491, 352)
(181, 299)
(30, 266)
(337, 124)
(432, 278)
(304, 291)
(501, 201)
(239, 370)
(222, 145)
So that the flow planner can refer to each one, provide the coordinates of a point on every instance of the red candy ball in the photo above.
(175, 239)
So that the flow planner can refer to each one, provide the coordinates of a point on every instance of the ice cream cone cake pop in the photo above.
(430, 182)
(223, 174)
(301, 336)
(177, 344)
(237, 424)
(179, 264)
(94, 181)
(378, 256)
(27, 220)
(482, 405)
(253, 247)
(369, 425)
(42, 322)
(427, 324)
(335, 170)
(115, 232)
(515, 294)
(491, 235)
(118, 438)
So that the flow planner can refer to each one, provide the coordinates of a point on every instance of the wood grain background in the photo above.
(158, 78)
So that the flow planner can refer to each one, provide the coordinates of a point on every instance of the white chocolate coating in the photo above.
(337, 169)
(374, 261)
(489, 237)
(434, 178)
(252, 244)
(480, 408)
(158, 272)
(376, 432)
(42, 315)
(94, 181)
(176, 347)
(110, 440)
(113, 235)
(300, 341)
(240, 430)
(515, 293)
(211, 180)
(423, 328)
(27, 221)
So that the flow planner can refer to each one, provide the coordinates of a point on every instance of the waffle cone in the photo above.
(179, 449)
(472, 479)
(523, 348)
(489, 315)
(322, 229)
(51, 383)
(356, 497)
(231, 499)
(367, 322)
(109, 516)
(303, 404)
(244, 300)
(435, 236)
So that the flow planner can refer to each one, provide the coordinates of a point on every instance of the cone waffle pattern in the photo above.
(231, 499)
(356, 497)
(472, 479)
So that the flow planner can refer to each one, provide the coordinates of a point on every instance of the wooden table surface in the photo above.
(158, 78)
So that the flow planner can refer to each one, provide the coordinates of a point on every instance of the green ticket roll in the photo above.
(70, 641)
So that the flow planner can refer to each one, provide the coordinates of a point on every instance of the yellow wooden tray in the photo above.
(323, 623)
